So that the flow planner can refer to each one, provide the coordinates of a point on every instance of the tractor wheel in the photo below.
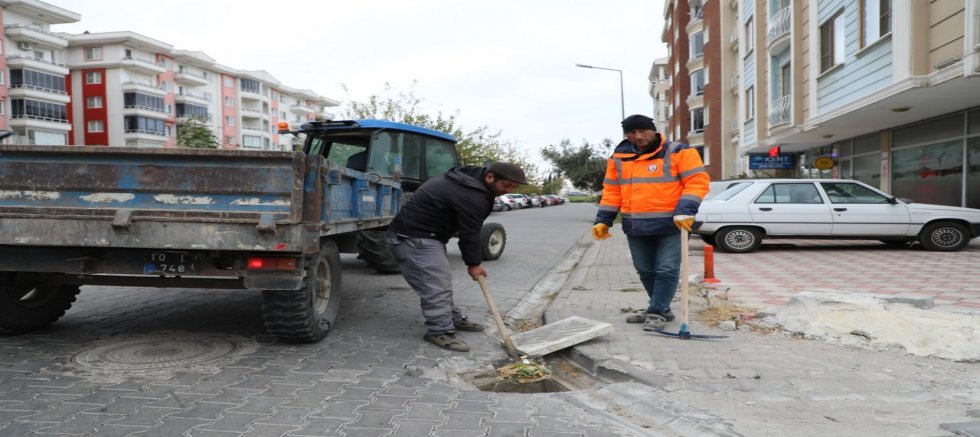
(305, 315)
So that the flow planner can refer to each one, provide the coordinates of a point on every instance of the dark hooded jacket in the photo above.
(454, 203)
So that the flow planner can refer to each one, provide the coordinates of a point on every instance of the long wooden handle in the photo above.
(508, 344)
(684, 298)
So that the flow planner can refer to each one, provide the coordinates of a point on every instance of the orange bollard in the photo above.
(709, 264)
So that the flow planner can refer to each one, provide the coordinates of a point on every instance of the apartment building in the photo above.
(883, 91)
(33, 92)
(699, 110)
(127, 89)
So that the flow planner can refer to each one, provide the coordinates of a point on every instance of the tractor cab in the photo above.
(401, 151)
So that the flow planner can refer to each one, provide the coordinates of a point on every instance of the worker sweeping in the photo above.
(657, 185)
(454, 203)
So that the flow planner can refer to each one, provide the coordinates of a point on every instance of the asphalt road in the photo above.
(207, 367)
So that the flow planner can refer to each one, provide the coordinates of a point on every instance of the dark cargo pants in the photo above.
(425, 267)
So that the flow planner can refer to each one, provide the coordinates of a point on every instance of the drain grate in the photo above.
(153, 353)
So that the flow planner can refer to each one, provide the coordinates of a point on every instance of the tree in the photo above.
(194, 133)
(584, 166)
(475, 147)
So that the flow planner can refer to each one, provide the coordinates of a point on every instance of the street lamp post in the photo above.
(622, 104)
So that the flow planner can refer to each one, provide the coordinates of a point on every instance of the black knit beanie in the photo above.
(638, 121)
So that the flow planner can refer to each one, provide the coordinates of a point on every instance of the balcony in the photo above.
(144, 138)
(777, 32)
(36, 93)
(34, 35)
(300, 109)
(254, 113)
(190, 79)
(253, 95)
(779, 111)
(143, 66)
(21, 122)
(36, 64)
(145, 87)
(189, 97)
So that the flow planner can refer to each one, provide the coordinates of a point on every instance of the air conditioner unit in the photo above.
(23, 45)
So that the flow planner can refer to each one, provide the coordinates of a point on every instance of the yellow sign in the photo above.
(824, 163)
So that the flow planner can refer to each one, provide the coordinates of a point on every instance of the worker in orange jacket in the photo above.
(657, 186)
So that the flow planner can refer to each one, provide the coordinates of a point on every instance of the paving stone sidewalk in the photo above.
(758, 383)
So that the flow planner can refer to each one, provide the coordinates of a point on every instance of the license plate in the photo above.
(170, 263)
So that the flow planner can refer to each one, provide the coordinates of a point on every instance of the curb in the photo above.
(535, 305)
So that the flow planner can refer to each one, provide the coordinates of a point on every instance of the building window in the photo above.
(250, 85)
(252, 142)
(191, 110)
(38, 110)
(229, 121)
(96, 126)
(697, 120)
(93, 102)
(229, 82)
(749, 36)
(750, 102)
(93, 77)
(705, 154)
(36, 80)
(697, 45)
(144, 125)
(144, 101)
(832, 42)
(697, 82)
(93, 53)
(228, 101)
(785, 85)
(876, 20)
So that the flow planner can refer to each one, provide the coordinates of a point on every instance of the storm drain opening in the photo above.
(551, 375)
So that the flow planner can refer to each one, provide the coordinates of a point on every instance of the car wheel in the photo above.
(738, 239)
(708, 239)
(944, 237)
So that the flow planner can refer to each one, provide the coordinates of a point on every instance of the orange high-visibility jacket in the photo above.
(649, 189)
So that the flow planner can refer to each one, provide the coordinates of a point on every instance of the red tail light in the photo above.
(270, 263)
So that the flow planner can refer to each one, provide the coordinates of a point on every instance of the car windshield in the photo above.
(732, 190)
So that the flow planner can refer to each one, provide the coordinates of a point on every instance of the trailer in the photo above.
(273, 222)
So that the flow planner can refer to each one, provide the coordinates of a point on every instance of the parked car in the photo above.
(510, 203)
(740, 217)
(498, 205)
(522, 200)
(719, 186)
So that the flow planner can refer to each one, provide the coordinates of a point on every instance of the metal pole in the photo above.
(622, 100)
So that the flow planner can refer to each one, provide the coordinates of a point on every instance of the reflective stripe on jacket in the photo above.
(649, 189)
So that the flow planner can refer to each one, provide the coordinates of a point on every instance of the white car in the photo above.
(740, 217)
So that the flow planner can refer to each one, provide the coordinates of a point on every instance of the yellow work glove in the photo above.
(600, 231)
(684, 222)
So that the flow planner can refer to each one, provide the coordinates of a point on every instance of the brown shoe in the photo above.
(447, 341)
(468, 326)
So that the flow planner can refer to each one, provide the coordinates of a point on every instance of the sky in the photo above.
(508, 65)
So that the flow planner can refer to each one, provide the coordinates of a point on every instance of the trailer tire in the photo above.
(305, 315)
(373, 250)
(493, 239)
(25, 308)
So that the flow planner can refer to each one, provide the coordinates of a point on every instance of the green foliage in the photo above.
(583, 166)
(475, 147)
(194, 133)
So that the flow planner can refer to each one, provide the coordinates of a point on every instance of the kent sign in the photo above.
(766, 162)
